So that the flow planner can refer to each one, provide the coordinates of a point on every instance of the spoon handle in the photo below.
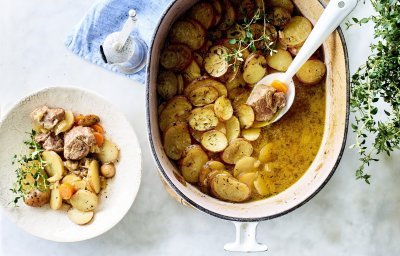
(334, 14)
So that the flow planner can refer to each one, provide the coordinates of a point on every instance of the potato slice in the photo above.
(260, 124)
(214, 141)
(206, 81)
(196, 134)
(287, 4)
(237, 149)
(207, 168)
(215, 62)
(79, 217)
(202, 119)
(203, 95)
(280, 60)
(66, 124)
(229, 189)
(188, 32)
(266, 154)
(254, 68)
(176, 57)
(223, 108)
(237, 82)
(236, 31)
(240, 99)
(221, 127)
(203, 12)
(214, 173)
(192, 72)
(70, 178)
(167, 84)
(279, 16)
(248, 178)
(176, 140)
(246, 164)
(84, 200)
(181, 84)
(55, 199)
(193, 160)
(251, 134)
(246, 116)
(80, 184)
(264, 185)
(94, 176)
(54, 166)
(109, 152)
(229, 17)
(232, 128)
(295, 32)
(259, 31)
(217, 11)
(177, 109)
(312, 72)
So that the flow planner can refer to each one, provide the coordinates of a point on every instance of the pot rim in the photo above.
(221, 216)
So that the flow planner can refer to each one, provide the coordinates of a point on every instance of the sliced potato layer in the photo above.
(280, 60)
(246, 164)
(84, 200)
(254, 68)
(80, 217)
(229, 189)
(177, 109)
(192, 162)
(312, 72)
(232, 128)
(202, 119)
(251, 134)
(246, 116)
(223, 108)
(296, 32)
(203, 95)
(176, 140)
(167, 84)
(214, 141)
(215, 62)
(236, 150)
(188, 32)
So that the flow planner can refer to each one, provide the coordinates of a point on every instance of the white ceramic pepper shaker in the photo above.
(126, 52)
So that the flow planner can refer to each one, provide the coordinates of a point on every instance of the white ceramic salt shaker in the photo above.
(126, 52)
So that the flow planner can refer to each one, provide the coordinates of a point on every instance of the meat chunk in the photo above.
(48, 117)
(77, 142)
(266, 102)
(50, 141)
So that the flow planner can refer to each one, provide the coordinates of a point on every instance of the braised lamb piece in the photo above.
(50, 141)
(266, 103)
(77, 142)
(48, 117)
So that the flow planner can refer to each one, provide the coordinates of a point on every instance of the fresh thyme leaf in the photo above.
(30, 166)
(378, 80)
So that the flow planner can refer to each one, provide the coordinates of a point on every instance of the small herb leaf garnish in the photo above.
(30, 170)
(378, 81)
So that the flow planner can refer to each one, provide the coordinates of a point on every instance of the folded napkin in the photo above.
(108, 16)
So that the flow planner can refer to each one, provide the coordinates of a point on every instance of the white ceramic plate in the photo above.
(121, 191)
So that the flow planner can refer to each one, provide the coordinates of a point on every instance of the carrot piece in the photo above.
(98, 128)
(99, 138)
(279, 86)
(66, 190)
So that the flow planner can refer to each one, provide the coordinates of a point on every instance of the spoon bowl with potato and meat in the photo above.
(272, 97)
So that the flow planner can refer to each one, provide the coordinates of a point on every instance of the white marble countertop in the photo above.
(347, 217)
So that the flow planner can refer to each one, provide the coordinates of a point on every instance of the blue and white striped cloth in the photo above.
(108, 16)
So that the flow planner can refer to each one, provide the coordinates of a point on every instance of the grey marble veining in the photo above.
(346, 218)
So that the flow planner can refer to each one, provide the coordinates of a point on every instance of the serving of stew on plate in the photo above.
(221, 141)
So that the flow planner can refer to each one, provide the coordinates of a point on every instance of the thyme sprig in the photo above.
(30, 170)
(248, 42)
(377, 81)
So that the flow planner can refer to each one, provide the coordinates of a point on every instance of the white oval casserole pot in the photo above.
(246, 215)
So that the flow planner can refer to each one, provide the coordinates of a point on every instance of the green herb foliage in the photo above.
(30, 170)
(248, 41)
(376, 81)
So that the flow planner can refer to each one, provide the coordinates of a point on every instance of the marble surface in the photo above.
(347, 217)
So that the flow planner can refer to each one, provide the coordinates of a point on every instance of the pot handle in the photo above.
(245, 238)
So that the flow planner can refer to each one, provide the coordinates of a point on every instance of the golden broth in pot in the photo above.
(295, 139)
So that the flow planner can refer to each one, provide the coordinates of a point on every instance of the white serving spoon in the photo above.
(334, 14)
